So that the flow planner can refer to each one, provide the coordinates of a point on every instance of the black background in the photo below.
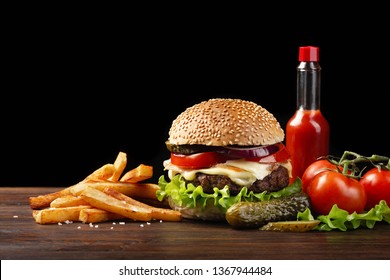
(80, 87)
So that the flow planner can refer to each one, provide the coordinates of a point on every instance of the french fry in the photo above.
(67, 201)
(157, 213)
(101, 174)
(142, 190)
(119, 165)
(136, 190)
(138, 174)
(101, 200)
(43, 201)
(58, 215)
(95, 215)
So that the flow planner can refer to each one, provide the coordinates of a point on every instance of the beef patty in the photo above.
(275, 181)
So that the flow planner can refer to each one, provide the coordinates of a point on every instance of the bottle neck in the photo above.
(308, 85)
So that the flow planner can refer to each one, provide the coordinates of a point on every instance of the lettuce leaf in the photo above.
(192, 196)
(339, 219)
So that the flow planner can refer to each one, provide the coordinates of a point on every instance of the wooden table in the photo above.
(21, 238)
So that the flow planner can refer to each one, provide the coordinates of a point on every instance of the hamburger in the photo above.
(224, 151)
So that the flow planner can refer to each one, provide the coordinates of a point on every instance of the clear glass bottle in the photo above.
(307, 131)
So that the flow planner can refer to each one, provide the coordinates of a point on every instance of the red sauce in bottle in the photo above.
(307, 138)
(307, 131)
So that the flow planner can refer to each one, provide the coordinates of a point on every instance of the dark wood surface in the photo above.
(22, 238)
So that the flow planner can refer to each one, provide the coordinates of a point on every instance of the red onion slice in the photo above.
(252, 152)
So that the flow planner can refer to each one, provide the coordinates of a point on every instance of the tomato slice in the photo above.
(198, 160)
(281, 155)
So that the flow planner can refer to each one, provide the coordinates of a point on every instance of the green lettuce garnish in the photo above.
(339, 219)
(193, 196)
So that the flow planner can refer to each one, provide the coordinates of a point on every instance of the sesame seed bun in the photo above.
(223, 122)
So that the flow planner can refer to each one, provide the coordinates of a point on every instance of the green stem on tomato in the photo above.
(346, 162)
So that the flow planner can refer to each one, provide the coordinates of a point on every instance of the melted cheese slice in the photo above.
(241, 172)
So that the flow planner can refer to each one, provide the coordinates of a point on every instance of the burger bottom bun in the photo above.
(208, 213)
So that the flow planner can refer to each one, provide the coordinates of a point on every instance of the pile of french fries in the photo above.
(104, 195)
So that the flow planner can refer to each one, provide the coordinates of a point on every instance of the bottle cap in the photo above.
(309, 53)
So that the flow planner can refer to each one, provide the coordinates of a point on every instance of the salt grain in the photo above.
(141, 225)
(16, 216)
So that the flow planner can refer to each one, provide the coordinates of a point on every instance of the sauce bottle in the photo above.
(307, 131)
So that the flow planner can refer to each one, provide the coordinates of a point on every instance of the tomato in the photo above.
(313, 169)
(198, 160)
(332, 187)
(376, 183)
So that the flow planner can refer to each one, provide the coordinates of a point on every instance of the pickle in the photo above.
(293, 226)
(248, 215)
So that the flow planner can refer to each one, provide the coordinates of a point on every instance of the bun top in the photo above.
(223, 122)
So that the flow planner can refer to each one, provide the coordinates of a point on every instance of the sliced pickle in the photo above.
(291, 226)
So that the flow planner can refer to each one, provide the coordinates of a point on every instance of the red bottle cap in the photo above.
(309, 53)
